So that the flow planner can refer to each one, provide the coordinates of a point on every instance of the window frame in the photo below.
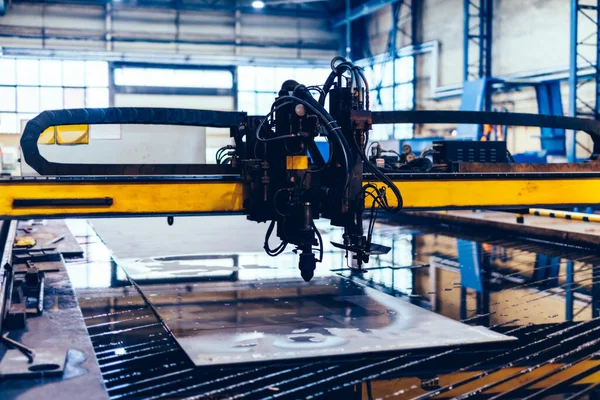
(18, 111)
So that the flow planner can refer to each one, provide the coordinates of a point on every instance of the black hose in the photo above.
(382, 177)
(279, 249)
(331, 125)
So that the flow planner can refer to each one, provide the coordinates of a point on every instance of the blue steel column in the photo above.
(488, 18)
(570, 134)
(478, 30)
(348, 31)
(414, 27)
(466, 22)
(597, 102)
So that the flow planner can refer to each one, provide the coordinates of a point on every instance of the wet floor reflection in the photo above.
(488, 283)
(533, 291)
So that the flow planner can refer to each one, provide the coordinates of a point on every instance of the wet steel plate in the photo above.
(223, 311)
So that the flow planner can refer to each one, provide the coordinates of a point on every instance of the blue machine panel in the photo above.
(550, 103)
(472, 99)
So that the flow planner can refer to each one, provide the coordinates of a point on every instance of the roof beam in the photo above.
(361, 11)
(275, 10)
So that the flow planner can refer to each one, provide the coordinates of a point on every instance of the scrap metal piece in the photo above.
(27, 352)
(47, 362)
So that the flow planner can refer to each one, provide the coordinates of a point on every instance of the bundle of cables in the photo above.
(279, 249)
(339, 66)
(282, 246)
(379, 198)
(302, 95)
(224, 154)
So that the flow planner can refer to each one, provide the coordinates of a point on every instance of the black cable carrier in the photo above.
(125, 115)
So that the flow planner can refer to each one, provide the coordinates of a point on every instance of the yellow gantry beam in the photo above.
(18, 199)
(72, 197)
(483, 192)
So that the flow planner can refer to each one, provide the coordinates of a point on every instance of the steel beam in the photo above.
(570, 134)
(69, 196)
(477, 31)
(189, 6)
(361, 11)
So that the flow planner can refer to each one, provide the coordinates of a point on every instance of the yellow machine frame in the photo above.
(200, 196)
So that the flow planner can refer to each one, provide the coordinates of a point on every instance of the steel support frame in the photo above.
(477, 42)
(583, 13)
(478, 17)
(365, 9)
(405, 22)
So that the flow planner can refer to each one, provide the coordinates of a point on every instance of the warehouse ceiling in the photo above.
(305, 8)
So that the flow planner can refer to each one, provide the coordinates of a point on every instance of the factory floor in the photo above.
(545, 296)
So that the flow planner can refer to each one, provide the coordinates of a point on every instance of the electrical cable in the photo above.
(279, 249)
(385, 179)
(364, 79)
(273, 109)
(320, 239)
(330, 123)
(331, 78)
(317, 88)
(510, 157)
(371, 145)
(219, 154)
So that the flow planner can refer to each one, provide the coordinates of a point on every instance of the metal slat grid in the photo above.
(139, 358)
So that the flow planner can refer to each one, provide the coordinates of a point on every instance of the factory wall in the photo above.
(528, 36)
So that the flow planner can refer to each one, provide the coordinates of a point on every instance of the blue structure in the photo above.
(474, 98)
(546, 269)
(470, 258)
(579, 39)
(477, 63)
(477, 41)
(550, 103)
(553, 141)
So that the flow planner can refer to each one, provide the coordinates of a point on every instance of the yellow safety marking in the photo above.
(48, 136)
(565, 215)
(73, 134)
(489, 192)
(296, 162)
(128, 198)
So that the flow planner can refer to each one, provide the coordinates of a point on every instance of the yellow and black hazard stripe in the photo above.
(540, 212)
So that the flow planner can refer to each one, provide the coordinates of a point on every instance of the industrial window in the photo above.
(173, 78)
(258, 86)
(391, 84)
(29, 86)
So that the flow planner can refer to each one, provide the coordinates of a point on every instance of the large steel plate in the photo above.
(249, 313)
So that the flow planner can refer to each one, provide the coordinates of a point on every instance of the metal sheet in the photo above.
(244, 314)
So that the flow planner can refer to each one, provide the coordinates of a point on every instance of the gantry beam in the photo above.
(151, 195)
